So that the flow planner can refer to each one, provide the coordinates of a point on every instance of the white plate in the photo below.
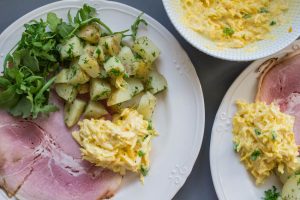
(179, 115)
(251, 52)
(230, 178)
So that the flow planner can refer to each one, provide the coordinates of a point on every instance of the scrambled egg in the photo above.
(264, 138)
(119, 145)
(233, 23)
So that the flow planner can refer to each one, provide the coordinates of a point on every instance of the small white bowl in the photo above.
(282, 37)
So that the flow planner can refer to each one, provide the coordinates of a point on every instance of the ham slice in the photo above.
(280, 83)
(40, 160)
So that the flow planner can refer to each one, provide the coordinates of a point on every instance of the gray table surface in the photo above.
(215, 76)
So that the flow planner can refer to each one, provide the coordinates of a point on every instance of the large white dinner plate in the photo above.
(230, 178)
(179, 115)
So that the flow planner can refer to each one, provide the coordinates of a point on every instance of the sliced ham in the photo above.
(280, 83)
(40, 160)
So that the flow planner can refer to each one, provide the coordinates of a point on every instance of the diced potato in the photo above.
(90, 33)
(114, 67)
(132, 103)
(99, 89)
(62, 76)
(134, 86)
(119, 96)
(89, 49)
(146, 49)
(66, 91)
(90, 65)
(127, 58)
(291, 189)
(99, 54)
(147, 105)
(71, 48)
(83, 88)
(77, 76)
(111, 44)
(156, 82)
(94, 110)
(142, 68)
(73, 111)
(284, 177)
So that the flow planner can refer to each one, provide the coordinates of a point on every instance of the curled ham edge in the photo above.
(266, 66)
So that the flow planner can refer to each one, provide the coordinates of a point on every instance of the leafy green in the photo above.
(53, 21)
(271, 194)
(144, 171)
(135, 25)
(257, 131)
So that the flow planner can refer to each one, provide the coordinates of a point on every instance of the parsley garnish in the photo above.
(271, 194)
(255, 154)
(235, 147)
(228, 31)
(257, 131)
(141, 153)
(144, 171)
(272, 23)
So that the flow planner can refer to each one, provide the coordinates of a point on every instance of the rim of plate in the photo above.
(220, 115)
(184, 32)
(188, 70)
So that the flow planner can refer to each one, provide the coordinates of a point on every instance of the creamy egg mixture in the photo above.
(234, 23)
(264, 138)
(120, 145)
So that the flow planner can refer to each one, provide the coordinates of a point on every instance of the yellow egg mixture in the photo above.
(121, 144)
(264, 138)
(233, 23)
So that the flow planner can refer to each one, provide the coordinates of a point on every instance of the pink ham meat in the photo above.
(280, 83)
(40, 160)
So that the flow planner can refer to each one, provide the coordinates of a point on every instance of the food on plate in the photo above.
(76, 76)
(271, 126)
(234, 24)
(280, 83)
(264, 138)
(120, 145)
(40, 160)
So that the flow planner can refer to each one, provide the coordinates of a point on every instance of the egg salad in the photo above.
(264, 138)
(233, 23)
(119, 145)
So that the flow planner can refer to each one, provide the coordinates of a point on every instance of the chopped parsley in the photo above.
(247, 16)
(272, 23)
(271, 194)
(257, 131)
(149, 125)
(228, 31)
(141, 153)
(274, 135)
(115, 72)
(255, 154)
(263, 10)
(144, 171)
(235, 147)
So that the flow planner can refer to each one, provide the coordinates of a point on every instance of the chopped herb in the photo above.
(263, 10)
(115, 72)
(141, 153)
(144, 171)
(228, 31)
(255, 154)
(247, 16)
(149, 125)
(274, 135)
(235, 147)
(272, 23)
(271, 194)
(106, 45)
(257, 131)
(98, 52)
(135, 26)
(153, 54)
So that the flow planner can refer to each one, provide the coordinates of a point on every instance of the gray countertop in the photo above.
(215, 76)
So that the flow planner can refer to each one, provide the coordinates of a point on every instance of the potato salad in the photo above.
(234, 23)
(105, 77)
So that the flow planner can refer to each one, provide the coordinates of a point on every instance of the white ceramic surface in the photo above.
(282, 37)
(179, 115)
(230, 178)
